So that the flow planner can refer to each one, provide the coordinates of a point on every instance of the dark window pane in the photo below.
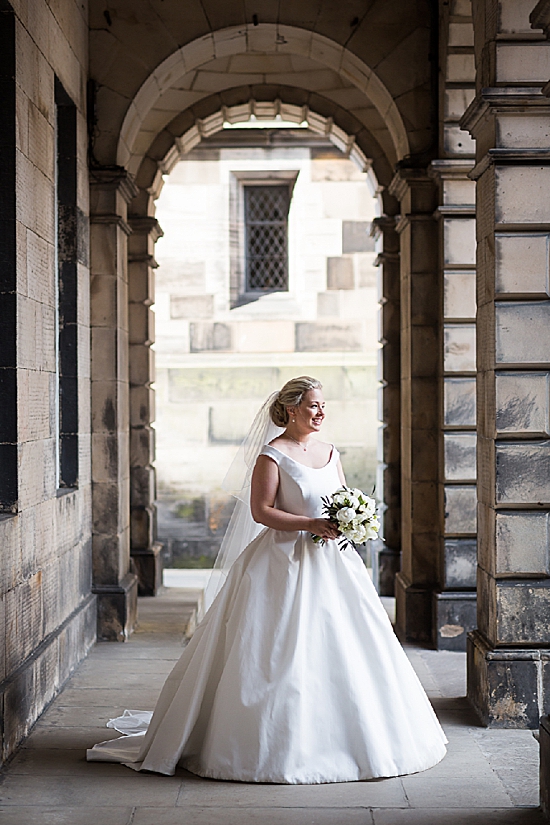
(266, 217)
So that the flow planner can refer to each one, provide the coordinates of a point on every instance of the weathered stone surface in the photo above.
(210, 337)
(459, 354)
(523, 473)
(460, 564)
(459, 402)
(523, 402)
(460, 241)
(236, 383)
(454, 617)
(459, 294)
(340, 274)
(544, 740)
(522, 194)
(386, 563)
(460, 509)
(523, 333)
(523, 612)
(503, 685)
(460, 456)
(522, 543)
(521, 264)
(356, 237)
(328, 337)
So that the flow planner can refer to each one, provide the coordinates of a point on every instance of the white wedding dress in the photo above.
(294, 675)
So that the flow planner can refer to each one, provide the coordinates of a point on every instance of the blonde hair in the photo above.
(291, 395)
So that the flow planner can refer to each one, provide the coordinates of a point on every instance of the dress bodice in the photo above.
(300, 487)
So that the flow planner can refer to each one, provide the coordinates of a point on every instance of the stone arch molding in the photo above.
(265, 38)
(266, 111)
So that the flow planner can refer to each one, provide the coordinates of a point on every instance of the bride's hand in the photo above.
(324, 528)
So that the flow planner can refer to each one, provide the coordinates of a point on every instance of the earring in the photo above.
(294, 421)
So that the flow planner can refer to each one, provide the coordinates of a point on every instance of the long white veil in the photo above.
(242, 528)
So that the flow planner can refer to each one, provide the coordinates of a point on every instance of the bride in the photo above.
(295, 674)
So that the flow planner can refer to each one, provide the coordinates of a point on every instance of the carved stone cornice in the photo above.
(115, 177)
(540, 17)
(146, 225)
(506, 99)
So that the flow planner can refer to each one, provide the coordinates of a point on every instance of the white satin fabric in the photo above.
(294, 675)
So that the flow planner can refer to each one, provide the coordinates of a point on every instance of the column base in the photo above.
(508, 687)
(386, 564)
(413, 608)
(454, 616)
(116, 609)
(148, 568)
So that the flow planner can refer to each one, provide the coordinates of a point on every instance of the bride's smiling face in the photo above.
(311, 412)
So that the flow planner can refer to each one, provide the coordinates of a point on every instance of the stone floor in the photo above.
(487, 777)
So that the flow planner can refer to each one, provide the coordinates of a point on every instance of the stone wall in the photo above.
(47, 612)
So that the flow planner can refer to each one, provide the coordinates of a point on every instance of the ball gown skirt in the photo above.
(294, 675)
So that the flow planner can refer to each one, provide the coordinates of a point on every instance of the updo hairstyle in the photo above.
(291, 395)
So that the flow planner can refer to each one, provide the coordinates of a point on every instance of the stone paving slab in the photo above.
(487, 777)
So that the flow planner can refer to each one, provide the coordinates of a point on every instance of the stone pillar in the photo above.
(386, 551)
(420, 369)
(115, 586)
(508, 654)
(141, 264)
(454, 604)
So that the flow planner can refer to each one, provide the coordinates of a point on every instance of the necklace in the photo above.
(298, 443)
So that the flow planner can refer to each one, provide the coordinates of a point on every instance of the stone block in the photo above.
(142, 526)
(142, 446)
(460, 509)
(328, 304)
(460, 456)
(356, 237)
(523, 473)
(457, 141)
(214, 337)
(523, 402)
(522, 332)
(257, 336)
(458, 192)
(386, 563)
(311, 337)
(454, 616)
(142, 364)
(459, 353)
(148, 565)
(461, 68)
(460, 564)
(142, 486)
(191, 306)
(522, 543)
(459, 244)
(340, 273)
(456, 102)
(522, 194)
(459, 294)
(517, 64)
(522, 264)
(503, 685)
(117, 609)
(141, 321)
(459, 403)
(523, 612)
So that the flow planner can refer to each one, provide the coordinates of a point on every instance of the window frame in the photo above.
(240, 293)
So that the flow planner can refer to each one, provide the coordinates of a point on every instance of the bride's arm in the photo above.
(263, 492)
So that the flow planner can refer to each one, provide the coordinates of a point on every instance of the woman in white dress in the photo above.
(295, 674)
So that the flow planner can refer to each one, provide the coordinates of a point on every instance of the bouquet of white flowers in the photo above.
(354, 513)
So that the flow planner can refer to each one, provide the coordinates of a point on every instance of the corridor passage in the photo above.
(488, 776)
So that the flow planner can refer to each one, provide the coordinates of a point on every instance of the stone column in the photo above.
(509, 653)
(115, 586)
(454, 604)
(386, 551)
(141, 265)
(420, 369)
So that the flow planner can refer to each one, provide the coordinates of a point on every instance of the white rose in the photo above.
(353, 502)
(345, 515)
(370, 533)
(339, 498)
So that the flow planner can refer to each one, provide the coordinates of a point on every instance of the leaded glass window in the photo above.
(266, 219)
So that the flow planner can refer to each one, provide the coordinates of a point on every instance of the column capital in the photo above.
(116, 178)
(450, 168)
(540, 17)
(145, 225)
